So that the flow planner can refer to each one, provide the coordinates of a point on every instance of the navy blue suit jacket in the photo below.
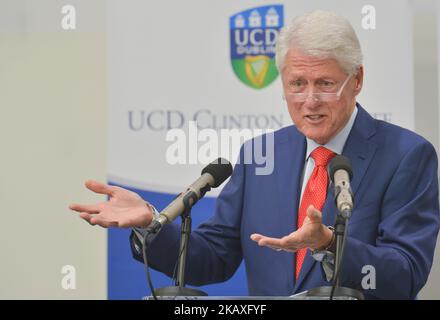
(393, 228)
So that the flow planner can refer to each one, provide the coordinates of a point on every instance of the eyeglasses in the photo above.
(316, 96)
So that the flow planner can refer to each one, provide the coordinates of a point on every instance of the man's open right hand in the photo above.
(124, 208)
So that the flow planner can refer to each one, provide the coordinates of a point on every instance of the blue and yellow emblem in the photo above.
(253, 35)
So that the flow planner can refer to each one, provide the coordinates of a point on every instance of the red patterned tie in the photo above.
(315, 193)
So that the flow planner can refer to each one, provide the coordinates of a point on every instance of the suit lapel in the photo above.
(360, 151)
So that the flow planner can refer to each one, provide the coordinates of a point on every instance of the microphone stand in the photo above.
(185, 231)
(340, 224)
(336, 290)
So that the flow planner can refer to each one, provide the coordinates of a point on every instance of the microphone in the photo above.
(213, 175)
(340, 173)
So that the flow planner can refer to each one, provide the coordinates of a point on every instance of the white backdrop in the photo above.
(173, 58)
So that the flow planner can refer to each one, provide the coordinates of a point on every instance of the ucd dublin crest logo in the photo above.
(253, 37)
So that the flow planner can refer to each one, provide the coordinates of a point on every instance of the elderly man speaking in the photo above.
(274, 222)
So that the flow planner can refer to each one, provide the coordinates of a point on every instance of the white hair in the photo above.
(321, 34)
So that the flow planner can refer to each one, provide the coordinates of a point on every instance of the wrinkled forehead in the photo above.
(299, 64)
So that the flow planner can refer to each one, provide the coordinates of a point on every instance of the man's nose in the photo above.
(312, 100)
(311, 94)
(313, 97)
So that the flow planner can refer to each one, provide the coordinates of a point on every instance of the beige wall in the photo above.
(426, 102)
(52, 137)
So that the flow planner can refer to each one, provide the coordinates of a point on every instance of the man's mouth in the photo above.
(315, 118)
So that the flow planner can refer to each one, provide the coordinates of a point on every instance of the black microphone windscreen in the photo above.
(220, 169)
(339, 162)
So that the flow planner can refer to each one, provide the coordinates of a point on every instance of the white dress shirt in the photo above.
(336, 145)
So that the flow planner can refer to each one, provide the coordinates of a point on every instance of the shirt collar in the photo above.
(337, 143)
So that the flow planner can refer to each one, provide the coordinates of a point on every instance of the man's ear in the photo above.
(359, 77)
